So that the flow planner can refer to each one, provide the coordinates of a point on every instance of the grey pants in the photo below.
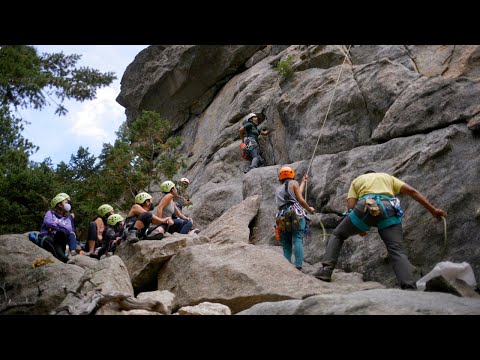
(392, 236)
(257, 159)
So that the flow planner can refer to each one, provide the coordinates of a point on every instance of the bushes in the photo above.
(284, 67)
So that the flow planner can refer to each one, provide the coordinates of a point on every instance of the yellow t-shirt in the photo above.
(374, 183)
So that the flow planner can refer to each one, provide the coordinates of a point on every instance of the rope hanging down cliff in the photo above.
(321, 129)
(444, 250)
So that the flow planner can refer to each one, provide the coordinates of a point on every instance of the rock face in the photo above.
(108, 276)
(372, 302)
(42, 287)
(233, 225)
(144, 259)
(178, 81)
(411, 111)
(240, 275)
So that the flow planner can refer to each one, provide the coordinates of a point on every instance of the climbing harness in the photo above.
(373, 203)
(289, 214)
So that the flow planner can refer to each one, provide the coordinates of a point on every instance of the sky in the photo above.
(90, 123)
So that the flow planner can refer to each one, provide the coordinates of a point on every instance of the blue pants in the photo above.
(72, 241)
(296, 237)
(180, 226)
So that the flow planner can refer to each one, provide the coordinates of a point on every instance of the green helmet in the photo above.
(142, 197)
(58, 199)
(167, 186)
(64, 194)
(104, 210)
(114, 219)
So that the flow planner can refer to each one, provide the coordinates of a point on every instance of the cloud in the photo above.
(90, 123)
(97, 120)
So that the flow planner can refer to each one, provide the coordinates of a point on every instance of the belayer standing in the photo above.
(371, 202)
(291, 215)
(249, 134)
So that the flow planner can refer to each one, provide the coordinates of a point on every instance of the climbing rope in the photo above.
(321, 130)
(326, 114)
(445, 239)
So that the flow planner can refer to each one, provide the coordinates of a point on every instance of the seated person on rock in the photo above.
(167, 208)
(140, 217)
(97, 227)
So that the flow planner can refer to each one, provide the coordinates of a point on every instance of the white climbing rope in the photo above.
(326, 114)
(321, 130)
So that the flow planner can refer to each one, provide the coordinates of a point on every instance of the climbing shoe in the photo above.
(157, 236)
(324, 273)
(133, 236)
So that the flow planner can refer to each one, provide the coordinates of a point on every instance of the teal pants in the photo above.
(295, 237)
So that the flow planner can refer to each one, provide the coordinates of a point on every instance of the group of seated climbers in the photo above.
(108, 229)
(142, 224)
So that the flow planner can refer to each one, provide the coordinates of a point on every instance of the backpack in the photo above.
(33, 237)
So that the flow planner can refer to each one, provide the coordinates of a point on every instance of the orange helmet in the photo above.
(286, 172)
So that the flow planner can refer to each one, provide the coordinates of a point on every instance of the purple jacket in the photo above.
(52, 222)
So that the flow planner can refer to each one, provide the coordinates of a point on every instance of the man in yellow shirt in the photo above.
(371, 202)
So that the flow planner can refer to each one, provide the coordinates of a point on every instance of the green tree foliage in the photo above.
(12, 139)
(150, 138)
(81, 180)
(119, 172)
(142, 155)
(22, 183)
(26, 78)
(25, 192)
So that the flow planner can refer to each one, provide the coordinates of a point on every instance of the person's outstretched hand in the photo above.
(438, 213)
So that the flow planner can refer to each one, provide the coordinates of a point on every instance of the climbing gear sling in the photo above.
(373, 203)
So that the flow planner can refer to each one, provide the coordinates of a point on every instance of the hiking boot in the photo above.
(133, 236)
(157, 236)
(324, 273)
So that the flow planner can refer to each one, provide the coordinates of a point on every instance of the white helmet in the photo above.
(249, 116)
(185, 181)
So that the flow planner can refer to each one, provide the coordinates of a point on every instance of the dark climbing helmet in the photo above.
(286, 172)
